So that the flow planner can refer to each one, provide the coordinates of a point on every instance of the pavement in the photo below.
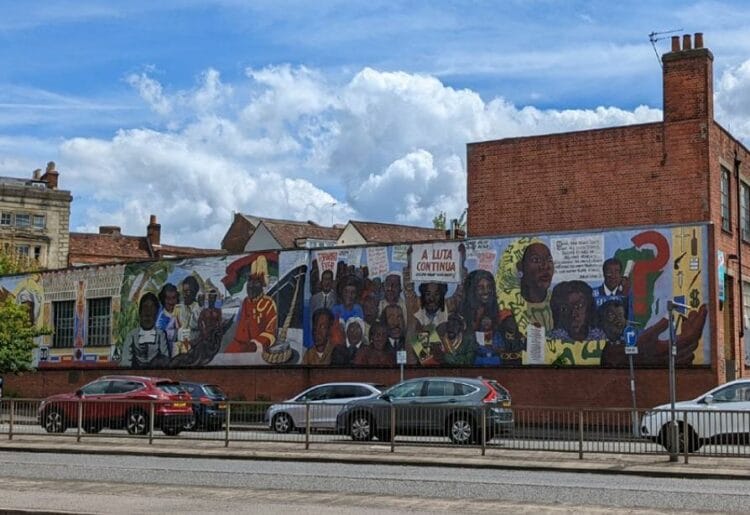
(495, 457)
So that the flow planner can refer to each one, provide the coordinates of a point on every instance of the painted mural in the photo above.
(563, 299)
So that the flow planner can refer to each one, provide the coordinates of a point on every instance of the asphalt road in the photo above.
(138, 484)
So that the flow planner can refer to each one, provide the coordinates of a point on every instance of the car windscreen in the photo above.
(170, 387)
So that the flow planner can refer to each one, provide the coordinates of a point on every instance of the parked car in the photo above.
(118, 402)
(325, 400)
(720, 415)
(449, 406)
(209, 406)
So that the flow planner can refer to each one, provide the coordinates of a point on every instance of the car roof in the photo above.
(137, 378)
(346, 383)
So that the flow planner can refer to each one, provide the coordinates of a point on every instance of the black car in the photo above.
(428, 406)
(209, 406)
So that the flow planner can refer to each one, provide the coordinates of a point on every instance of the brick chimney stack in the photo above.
(688, 80)
(153, 232)
(50, 176)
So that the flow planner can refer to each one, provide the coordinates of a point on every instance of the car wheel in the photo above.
(282, 423)
(192, 424)
(361, 427)
(136, 423)
(666, 436)
(171, 430)
(461, 429)
(54, 421)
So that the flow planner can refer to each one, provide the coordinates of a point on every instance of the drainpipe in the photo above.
(737, 163)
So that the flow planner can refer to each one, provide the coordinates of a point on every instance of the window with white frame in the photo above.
(6, 219)
(99, 321)
(726, 223)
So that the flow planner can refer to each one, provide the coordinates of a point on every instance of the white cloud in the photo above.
(292, 143)
(732, 107)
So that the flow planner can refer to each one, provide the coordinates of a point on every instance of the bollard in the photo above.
(685, 437)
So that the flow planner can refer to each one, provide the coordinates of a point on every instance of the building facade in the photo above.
(686, 169)
(34, 218)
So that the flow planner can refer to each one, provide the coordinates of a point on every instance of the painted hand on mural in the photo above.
(655, 351)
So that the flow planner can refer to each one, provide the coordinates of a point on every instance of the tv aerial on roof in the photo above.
(653, 37)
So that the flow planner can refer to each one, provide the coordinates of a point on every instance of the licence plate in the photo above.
(506, 404)
(222, 405)
(179, 404)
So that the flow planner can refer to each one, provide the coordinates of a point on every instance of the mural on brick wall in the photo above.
(565, 300)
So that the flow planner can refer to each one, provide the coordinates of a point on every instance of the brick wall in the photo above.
(565, 387)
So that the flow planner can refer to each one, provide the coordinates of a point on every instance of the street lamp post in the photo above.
(674, 447)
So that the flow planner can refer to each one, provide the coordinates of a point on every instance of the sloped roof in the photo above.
(288, 232)
(92, 248)
(376, 232)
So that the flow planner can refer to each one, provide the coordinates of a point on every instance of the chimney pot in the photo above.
(153, 232)
(37, 174)
(698, 40)
(50, 176)
(675, 43)
(686, 44)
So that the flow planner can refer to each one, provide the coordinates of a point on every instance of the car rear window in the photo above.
(212, 389)
(170, 387)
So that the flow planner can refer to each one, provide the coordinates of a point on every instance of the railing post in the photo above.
(580, 434)
(685, 436)
(12, 419)
(307, 426)
(484, 429)
(151, 412)
(393, 428)
(228, 419)
(79, 420)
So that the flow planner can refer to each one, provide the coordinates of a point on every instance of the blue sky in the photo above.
(325, 110)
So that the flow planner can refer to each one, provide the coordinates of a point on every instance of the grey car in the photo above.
(322, 402)
(427, 406)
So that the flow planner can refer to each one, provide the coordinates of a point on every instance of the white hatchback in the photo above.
(722, 415)
(322, 402)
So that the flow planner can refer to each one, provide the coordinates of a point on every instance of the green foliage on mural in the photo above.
(16, 337)
(138, 279)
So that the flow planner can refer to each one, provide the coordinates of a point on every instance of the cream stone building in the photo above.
(34, 218)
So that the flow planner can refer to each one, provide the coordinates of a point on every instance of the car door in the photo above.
(405, 398)
(721, 414)
(120, 390)
(94, 405)
(317, 398)
(438, 400)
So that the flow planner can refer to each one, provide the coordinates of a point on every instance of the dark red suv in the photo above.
(118, 402)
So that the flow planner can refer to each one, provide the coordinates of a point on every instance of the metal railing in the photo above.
(706, 432)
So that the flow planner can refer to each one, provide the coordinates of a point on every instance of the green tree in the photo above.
(11, 262)
(439, 221)
(16, 337)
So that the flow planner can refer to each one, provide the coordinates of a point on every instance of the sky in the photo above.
(326, 111)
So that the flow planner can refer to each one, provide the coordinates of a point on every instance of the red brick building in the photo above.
(684, 169)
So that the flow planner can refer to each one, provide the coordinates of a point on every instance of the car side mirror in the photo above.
(79, 393)
(708, 399)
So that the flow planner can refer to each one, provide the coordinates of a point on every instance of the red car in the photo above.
(119, 402)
